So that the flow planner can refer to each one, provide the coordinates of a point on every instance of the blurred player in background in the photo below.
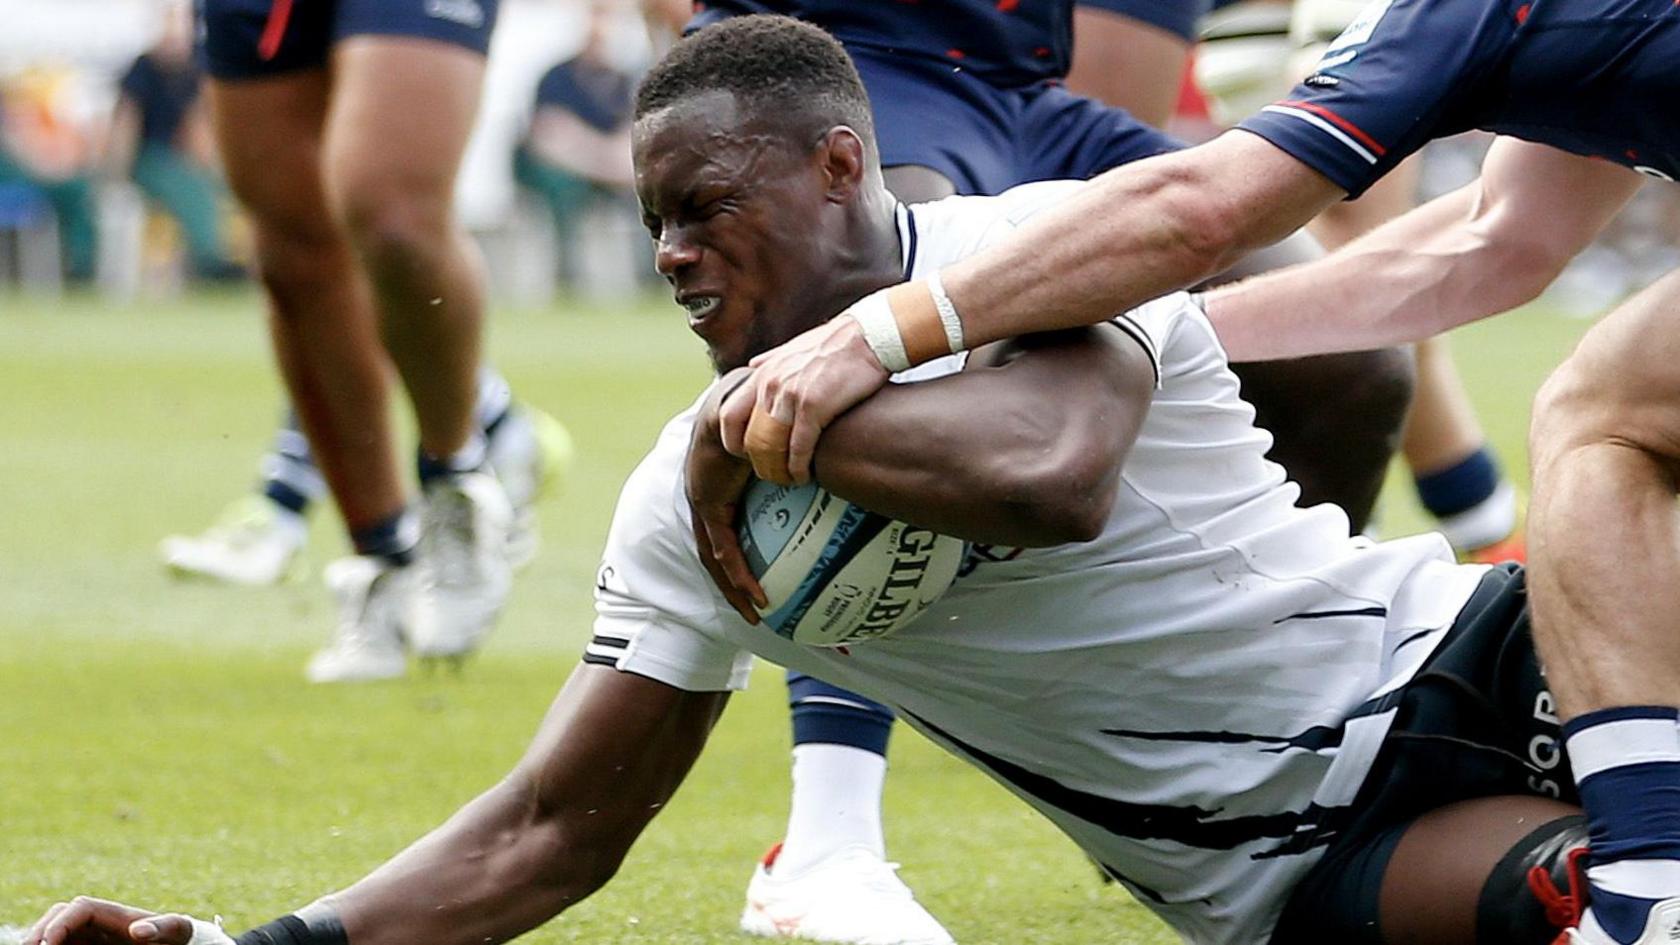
(160, 139)
(351, 199)
(1268, 729)
(969, 98)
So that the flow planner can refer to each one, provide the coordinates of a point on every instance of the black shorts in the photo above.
(1476, 721)
(248, 39)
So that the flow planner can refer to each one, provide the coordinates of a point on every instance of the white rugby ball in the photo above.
(836, 574)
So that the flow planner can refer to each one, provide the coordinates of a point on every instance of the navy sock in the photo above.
(827, 714)
(1460, 486)
(468, 458)
(393, 538)
(289, 477)
(1627, 763)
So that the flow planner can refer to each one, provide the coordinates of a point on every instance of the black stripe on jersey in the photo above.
(599, 660)
(1414, 638)
(910, 241)
(1322, 614)
(611, 643)
(1187, 825)
(1125, 323)
(1316, 738)
(1313, 739)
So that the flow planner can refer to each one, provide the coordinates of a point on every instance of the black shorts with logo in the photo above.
(248, 39)
(1476, 721)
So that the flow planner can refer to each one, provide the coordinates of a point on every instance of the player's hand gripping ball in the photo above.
(836, 574)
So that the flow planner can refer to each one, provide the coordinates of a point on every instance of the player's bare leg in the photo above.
(1436, 890)
(392, 180)
(321, 315)
(1605, 546)
(326, 341)
(1142, 76)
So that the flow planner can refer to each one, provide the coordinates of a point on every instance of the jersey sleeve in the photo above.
(656, 611)
(1386, 85)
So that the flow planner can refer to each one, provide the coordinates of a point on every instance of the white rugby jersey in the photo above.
(1194, 697)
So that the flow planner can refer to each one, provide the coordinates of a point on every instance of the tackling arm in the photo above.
(1488, 247)
(1022, 448)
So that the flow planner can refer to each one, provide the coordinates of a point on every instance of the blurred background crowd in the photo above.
(108, 175)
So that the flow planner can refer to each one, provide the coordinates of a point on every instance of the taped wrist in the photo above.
(321, 929)
(909, 323)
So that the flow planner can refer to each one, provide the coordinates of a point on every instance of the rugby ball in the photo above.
(836, 574)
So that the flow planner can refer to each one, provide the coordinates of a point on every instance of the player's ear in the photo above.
(844, 159)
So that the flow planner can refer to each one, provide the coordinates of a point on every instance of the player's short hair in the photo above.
(778, 68)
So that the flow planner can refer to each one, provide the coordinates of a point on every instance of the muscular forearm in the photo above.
(486, 875)
(1023, 454)
(1423, 273)
(1134, 234)
(610, 752)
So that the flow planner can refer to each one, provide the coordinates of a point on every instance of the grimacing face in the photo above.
(742, 223)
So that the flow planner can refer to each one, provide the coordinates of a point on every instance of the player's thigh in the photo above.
(1622, 382)
(1132, 54)
(269, 131)
(402, 110)
(1453, 877)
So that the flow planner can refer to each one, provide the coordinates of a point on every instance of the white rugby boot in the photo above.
(531, 453)
(852, 896)
(374, 598)
(464, 573)
(1662, 927)
(252, 542)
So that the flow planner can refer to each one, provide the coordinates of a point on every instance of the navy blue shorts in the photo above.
(987, 140)
(1476, 721)
(249, 39)
(1178, 17)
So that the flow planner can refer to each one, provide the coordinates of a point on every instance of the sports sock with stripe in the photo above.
(1627, 764)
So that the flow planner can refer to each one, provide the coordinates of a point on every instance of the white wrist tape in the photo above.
(880, 331)
(948, 317)
(209, 933)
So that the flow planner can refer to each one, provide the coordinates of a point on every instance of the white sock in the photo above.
(836, 804)
(1491, 520)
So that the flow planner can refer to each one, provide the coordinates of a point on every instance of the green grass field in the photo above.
(158, 744)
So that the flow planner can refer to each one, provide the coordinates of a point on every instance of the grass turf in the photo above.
(158, 745)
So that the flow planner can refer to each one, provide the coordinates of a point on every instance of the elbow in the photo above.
(567, 854)
(1062, 495)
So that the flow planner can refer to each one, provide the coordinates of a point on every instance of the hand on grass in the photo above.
(89, 921)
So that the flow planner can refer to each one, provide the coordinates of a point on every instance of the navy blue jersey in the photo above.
(1005, 42)
(597, 94)
(1593, 77)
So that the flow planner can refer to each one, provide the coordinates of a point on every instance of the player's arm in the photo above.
(610, 752)
(1132, 234)
(1022, 448)
(1485, 248)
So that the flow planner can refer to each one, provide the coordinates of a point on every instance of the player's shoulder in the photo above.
(950, 229)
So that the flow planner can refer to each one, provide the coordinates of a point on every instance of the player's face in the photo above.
(743, 224)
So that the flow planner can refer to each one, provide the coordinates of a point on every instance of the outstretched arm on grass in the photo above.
(609, 754)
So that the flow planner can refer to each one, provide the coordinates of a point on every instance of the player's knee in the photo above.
(295, 265)
(1521, 902)
(397, 234)
(1384, 386)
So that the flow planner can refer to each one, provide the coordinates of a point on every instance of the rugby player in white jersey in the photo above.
(1267, 730)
